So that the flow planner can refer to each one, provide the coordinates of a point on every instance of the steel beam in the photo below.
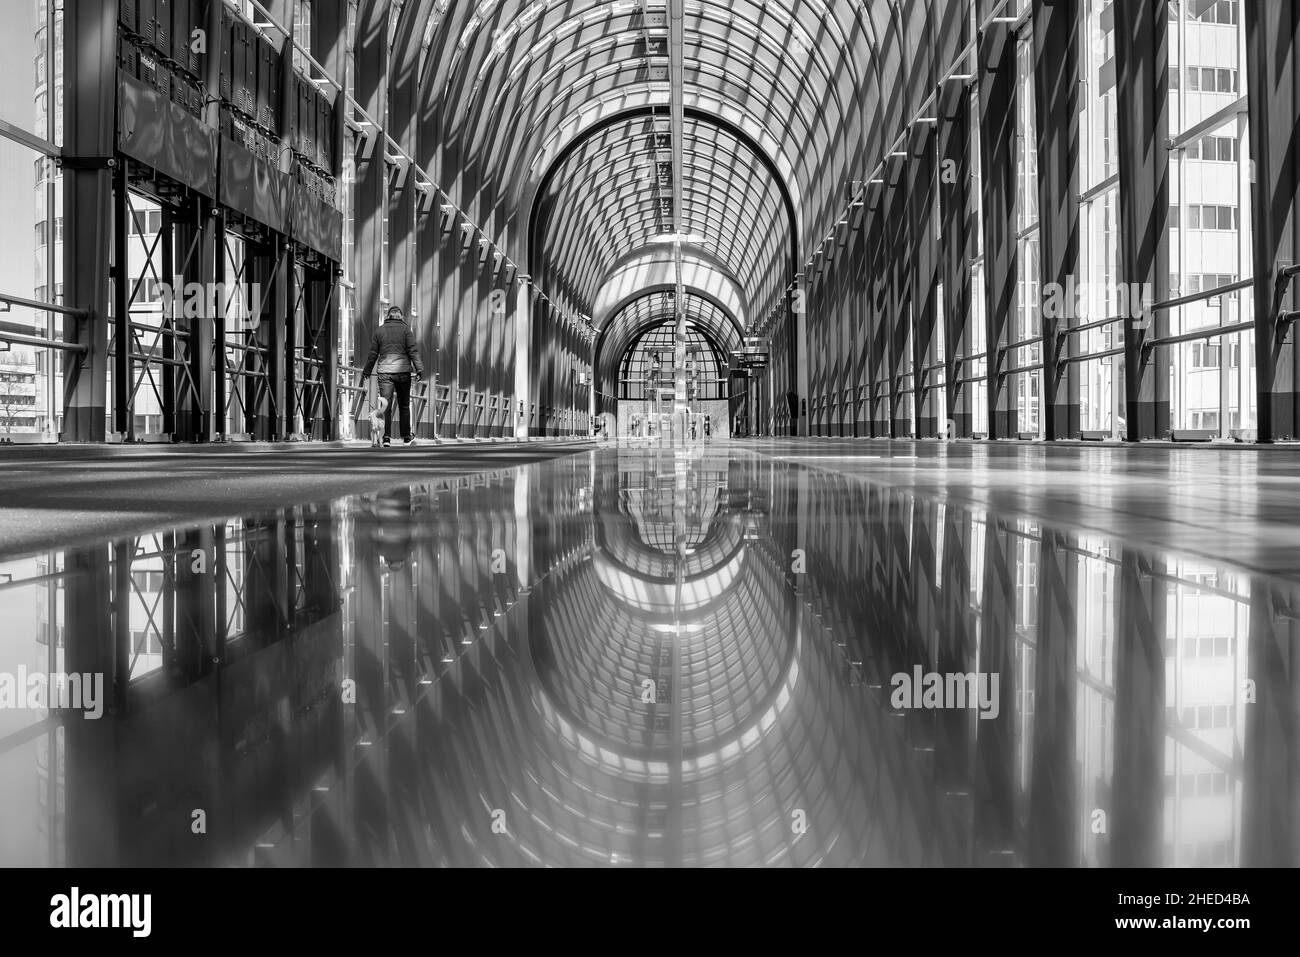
(123, 420)
(897, 316)
(221, 381)
(1054, 812)
(999, 189)
(1056, 26)
(878, 313)
(95, 608)
(1273, 82)
(167, 323)
(90, 96)
(201, 236)
(995, 822)
(1142, 126)
(371, 65)
(1138, 794)
(925, 277)
(956, 249)
(1270, 698)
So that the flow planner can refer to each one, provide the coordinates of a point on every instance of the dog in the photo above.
(377, 422)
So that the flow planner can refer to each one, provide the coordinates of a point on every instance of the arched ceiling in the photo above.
(651, 310)
(541, 110)
(653, 270)
(613, 193)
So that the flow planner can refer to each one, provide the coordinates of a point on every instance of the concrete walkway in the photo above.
(1239, 505)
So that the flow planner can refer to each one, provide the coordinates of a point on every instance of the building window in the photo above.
(1214, 149)
(1212, 217)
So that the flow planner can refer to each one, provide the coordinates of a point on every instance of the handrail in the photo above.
(21, 340)
(1119, 350)
(1210, 332)
(1203, 294)
(1017, 371)
(1088, 326)
(43, 306)
(1032, 341)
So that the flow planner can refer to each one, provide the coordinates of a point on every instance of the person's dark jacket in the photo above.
(393, 350)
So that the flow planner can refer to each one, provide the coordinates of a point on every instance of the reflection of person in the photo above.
(395, 356)
(393, 520)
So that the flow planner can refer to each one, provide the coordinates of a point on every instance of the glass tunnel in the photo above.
(650, 433)
(995, 220)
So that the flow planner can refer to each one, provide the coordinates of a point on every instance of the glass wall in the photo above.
(1101, 380)
(31, 205)
(1213, 379)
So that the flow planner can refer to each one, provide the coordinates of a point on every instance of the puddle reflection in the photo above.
(642, 657)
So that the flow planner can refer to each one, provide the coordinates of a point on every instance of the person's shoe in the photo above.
(387, 441)
(408, 442)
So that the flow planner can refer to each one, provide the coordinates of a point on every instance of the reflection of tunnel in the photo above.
(242, 717)
(594, 774)
(501, 668)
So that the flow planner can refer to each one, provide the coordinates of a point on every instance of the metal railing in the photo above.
(8, 301)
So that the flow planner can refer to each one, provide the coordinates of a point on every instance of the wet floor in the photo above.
(644, 657)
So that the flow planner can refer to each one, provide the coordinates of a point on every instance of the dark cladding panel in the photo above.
(227, 53)
(162, 26)
(253, 186)
(316, 223)
(164, 136)
(268, 84)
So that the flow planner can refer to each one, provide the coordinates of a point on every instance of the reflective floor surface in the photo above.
(728, 655)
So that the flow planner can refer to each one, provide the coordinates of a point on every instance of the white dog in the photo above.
(377, 421)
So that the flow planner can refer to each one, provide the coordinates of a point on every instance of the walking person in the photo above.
(394, 358)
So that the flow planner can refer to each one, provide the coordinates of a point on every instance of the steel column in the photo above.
(1142, 126)
(994, 812)
(1271, 773)
(1054, 812)
(924, 280)
(167, 323)
(1138, 784)
(196, 412)
(897, 318)
(90, 96)
(998, 182)
(1273, 82)
(94, 608)
(1056, 112)
(123, 420)
(370, 57)
(956, 226)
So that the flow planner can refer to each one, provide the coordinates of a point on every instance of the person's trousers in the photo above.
(396, 384)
